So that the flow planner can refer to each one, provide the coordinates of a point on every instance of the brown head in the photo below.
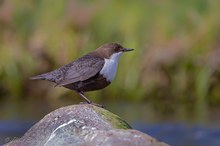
(107, 50)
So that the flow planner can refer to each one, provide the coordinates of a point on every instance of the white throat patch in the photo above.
(110, 67)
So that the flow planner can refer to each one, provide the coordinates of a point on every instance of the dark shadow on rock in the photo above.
(83, 125)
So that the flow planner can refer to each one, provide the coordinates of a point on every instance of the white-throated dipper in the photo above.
(93, 71)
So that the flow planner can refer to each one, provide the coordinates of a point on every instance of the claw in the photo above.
(93, 103)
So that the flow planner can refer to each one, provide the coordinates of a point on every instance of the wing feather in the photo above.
(81, 69)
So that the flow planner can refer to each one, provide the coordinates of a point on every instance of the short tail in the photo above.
(45, 76)
(39, 77)
(52, 76)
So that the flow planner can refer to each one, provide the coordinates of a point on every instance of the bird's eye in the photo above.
(117, 49)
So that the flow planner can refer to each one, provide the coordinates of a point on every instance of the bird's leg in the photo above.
(84, 97)
(88, 101)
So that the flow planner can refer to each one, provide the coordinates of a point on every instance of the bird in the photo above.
(93, 71)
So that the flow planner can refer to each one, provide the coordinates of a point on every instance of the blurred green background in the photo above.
(173, 74)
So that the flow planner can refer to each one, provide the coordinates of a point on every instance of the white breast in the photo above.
(110, 67)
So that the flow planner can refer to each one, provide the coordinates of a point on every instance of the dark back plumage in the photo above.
(78, 70)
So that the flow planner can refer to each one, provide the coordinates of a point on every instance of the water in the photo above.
(182, 134)
(10, 130)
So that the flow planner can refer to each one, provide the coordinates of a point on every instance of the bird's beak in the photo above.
(127, 50)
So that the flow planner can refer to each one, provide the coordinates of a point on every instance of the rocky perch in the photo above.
(83, 125)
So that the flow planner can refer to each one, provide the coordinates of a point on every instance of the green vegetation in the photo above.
(176, 57)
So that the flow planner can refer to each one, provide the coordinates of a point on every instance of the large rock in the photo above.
(83, 125)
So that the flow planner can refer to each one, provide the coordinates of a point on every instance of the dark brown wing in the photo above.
(82, 69)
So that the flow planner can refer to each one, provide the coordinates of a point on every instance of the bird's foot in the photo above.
(93, 103)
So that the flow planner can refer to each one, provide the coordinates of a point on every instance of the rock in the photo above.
(83, 125)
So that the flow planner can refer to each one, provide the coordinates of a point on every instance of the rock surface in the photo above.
(83, 125)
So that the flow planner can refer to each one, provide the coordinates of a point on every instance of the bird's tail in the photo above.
(45, 76)
(38, 77)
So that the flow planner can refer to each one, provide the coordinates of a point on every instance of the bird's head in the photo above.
(112, 50)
